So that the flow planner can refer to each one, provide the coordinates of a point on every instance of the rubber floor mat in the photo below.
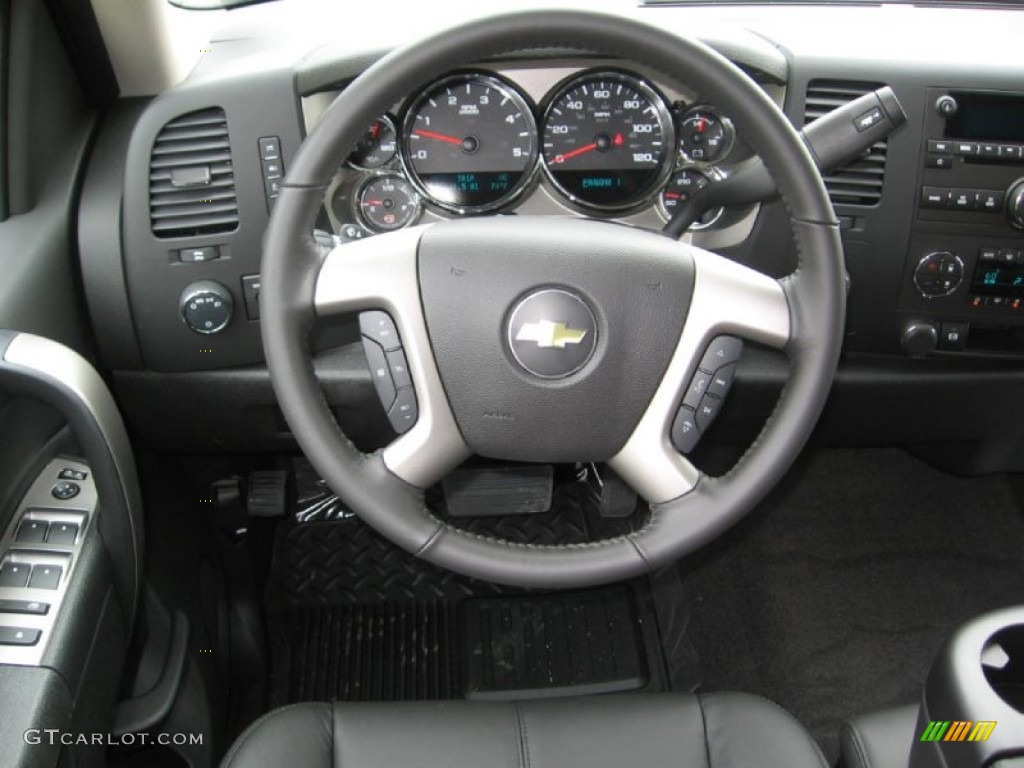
(508, 647)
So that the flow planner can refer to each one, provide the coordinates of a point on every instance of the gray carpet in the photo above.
(835, 596)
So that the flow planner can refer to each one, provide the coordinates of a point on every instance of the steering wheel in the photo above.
(649, 307)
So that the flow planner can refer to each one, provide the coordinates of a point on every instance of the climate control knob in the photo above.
(207, 306)
(1015, 204)
(938, 274)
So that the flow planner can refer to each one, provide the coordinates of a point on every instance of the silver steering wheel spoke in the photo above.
(728, 300)
(381, 273)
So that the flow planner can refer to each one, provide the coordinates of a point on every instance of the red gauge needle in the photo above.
(373, 202)
(437, 136)
(672, 195)
(575, 152)
(375, 131)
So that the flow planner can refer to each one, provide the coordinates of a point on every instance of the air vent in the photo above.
(860, 181)
(191, 179)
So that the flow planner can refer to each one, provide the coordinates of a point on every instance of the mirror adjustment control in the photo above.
(65, 490)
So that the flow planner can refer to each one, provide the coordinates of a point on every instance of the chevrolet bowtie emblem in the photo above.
(547, 334)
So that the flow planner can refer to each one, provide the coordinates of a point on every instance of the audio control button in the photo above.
(934, 197)
(963, 199)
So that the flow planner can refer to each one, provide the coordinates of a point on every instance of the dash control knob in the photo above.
(946, 106)
(919, 339)
(207, 306)
(1015, 204)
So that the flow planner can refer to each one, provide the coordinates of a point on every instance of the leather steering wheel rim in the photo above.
(814, 297)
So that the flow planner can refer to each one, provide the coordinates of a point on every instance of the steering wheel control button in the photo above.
(399, 369)
(206, 306)
(65, 490)
(685, 432)
(72, 474)
(698, 388)
(379, 372)
(552, 333)
(14, 574)
(404, 412)
(19, 636)
(707, 411)
(721, 382)
(25, 607)
(32, 532)
(45, 577)
(379, 327)
(62, 534)
(722, 350)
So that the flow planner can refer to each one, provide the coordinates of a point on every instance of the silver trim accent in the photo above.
(728, 298)
(64, 367)
(952, 290)
(81, 509)
(509, 89)
(664, 117)
(381, 273)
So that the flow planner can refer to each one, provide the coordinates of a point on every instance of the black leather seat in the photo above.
(722, 730)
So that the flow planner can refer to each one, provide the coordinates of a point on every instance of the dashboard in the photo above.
(589, 138)
(932, 218)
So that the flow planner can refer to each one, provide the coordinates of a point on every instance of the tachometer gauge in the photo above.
(378, 145)
(469, 143)
(681, 186)
(704, 136)
(608, 140)
(387, 203)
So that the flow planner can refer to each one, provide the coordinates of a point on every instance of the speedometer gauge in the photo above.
(469, 143)
(608, 140)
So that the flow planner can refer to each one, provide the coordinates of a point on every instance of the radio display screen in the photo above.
(999, 279)
(990, 116)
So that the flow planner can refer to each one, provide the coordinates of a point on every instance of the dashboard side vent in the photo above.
(191, 177)
(860, 181)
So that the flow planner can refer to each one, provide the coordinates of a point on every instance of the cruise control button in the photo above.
(722, 381)
(697, 389)
(14, 574)
(707, 412)
(27, 607)
(32, 532)
(379, 372)
(404, 412)
(65, 490)
(18, 636)
(45, 577)
(685, 433)
(380, 327)
(62, 534)
(399, 369)
(721, 351)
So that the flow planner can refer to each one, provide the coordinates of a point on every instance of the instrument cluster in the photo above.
(602, 141)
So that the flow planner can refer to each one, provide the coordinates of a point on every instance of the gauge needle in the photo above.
(575, 152)
(672, 195)
(373, 202)
(437, 136)
(375, 131)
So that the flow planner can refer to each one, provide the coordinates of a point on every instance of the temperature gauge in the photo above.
(387, 203)
(704, 136)
(680, 187)
(377, 147)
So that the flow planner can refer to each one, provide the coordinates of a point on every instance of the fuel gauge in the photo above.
(377, 147)
(387, 203)
(704, 136)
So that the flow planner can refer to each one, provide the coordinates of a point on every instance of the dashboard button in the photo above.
(404, 412)
(721, 382)
(954, 336)
(380, 327)
(196, 255)
(988, 150)
(1008, 256)
(934, 197)
(698, 388)
(962, 199)
(991, 200)
(938, 161)
(14, 574)
(988, 254)
(940, 146)
(378, 364)
(45, 577)
(1010, 152)
(685, 433)
(270, 148)
(19, 636)
(32, 532)
(965, 148)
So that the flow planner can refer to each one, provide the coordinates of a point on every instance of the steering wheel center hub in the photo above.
(552, 333)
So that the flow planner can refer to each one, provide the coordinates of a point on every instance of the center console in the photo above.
(963, 291)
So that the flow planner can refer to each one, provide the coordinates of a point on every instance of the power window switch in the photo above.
(18, 636)
(26, 607)
(31, 532)
(63, 534)
(14, 574)
(45, 577)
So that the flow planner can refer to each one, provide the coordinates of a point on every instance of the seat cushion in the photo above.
(879, 739)
(723, 730)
